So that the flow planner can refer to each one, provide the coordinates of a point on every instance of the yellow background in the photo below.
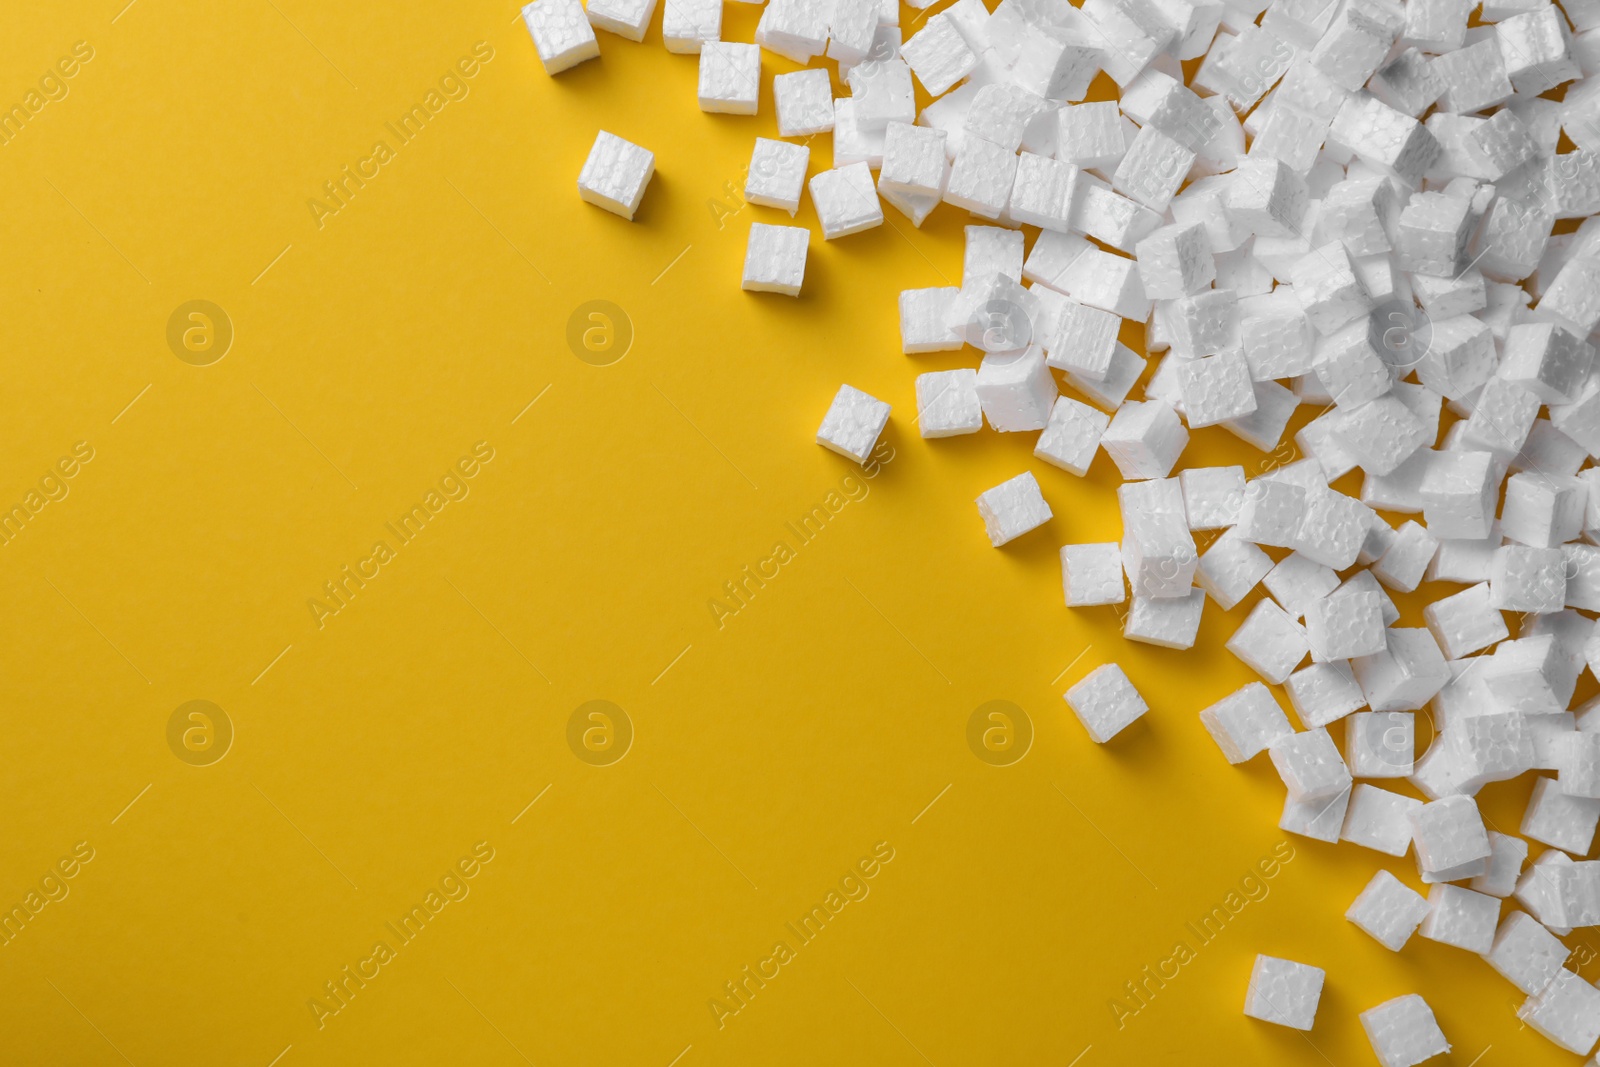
(371, 754)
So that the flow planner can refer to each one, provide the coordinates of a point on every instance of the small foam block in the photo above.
(981, 178)
(914, 162)
(1091, 135)
(1012, 508)
(1345, 626)
(1230, 568)
(947, 403)
(686, 25)
(1167, 622)
(924, 325)
(1554, 818)
(1016, 389)
(561, 33)
(1216, 389)
(625, 18)
(1449, 833)
(853, 423)
(795, 29)
(1542, 510)
(1528, 579)
(1403, 1031)
(1577, 759)
(1388, 911)
(1269, 641)
(730, 77)
(1145, 439)
(1462, 918)
(775, 259)
(1246, 722)
(804, 102)
(1379, 820)
(1105, 702)
(1310, 765)
(1465, 622)
(1044, 192)
(1381, 744)
(939, 55)
(846, 200)
(1567, 1011)
(1284, 992)
(1072, 437)
(1319, 819)
(777, 173)
(1525, 953)
(1506, 857)
(1212, 496)
(1324, 693)
(882, 93)
(1091, 574)
(615, 174)
(1085, 339)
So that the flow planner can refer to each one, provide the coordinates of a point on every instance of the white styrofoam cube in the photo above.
(615, 174)
(924, 325)
(882, 93)
(1406, 674)
(981, 178)
(1567, 1011)
(1554, 818)
(1345, 626)
(625, 18)
(803, 100)
(777, 174)
(1525, 953)
(1013, 508)
(1246, 722)
(1216, 388)
(853, 423)
(1105, 702)
(1043, 192)
(1144, 439)
(1324, 693)
(1319, 819)
(1388, 911)
(775, 259)
(686, 25)
(1212, 496)
(1072, 436)
(730, 78)
(1016, 389)
(846, 200)
(561, 33)
(852, 143)
(1091, 574)
(1465, 622)
(1506, 857)
(939, 54)
(1230, 568)
(1310, 765)
(1284, 992)
(1167, 622)
(1528, 579)
(1379, 819)
(1449, 833)
(914, 161)
(1403, 1031)
(1380, 744)
(1462, 918)
(947, 403)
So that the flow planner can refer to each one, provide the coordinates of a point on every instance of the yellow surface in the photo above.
(823, 722)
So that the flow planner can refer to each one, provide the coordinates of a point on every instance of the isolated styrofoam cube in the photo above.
(1105, 702)
(615, 174)
(846, 200)
(1403, 1031)
(1567, 1011)
(1284, 992)
(1072, 436)
(1167, 622)
(1388, 911)
(561, 33)
(853, 423)
(804, 102)
(686, 25)
(1246, 722)
(1525, 953)
(1379, 819)
(1323, 693)
(1380, 744)
(730, 77)
(947, 403)
(1012, 508)
(775, 259)
(1091, 574)
(777, 174)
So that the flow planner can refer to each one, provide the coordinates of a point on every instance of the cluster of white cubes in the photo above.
(1349, 208)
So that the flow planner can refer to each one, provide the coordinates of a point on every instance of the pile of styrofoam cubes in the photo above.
(1382, 251)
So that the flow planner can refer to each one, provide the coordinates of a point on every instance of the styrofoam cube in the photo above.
(686, 25)
(730, 78)
(1091, 135)
(1016, 389)
(846, 200)
(1403, 1031)
(775, 259)
(1449, 833)
(777, 173)
(1388, 911)
(1462, 918)
(1506, 857)
(1528, 579)
(914, 160)
(947, 403)
(1044, 192)
(804, 102)
(939, 54)
(882, 93)
(1381, 744)
(1309, 764)
(1554, 818)
(561, 33)
(1215, 389)
(853, 423)
(1246, 722)
(1085, 340)
(1230, 568)
(1212, 496)
(615, 173)
(1319, 819)
(1525, 953)
(981, 178)
(1379, 819)
(1072, 436)
(1091, 574)
(1407, 559)
(1270, 514)
(625, 18)
(1345, 626)
(1105, 702)
(1145, 439)
(1323, 693)
(1284, 992)
(924, 321)
(795, 29)
(1167, 622)
(1567, 1011)
(1013, 508)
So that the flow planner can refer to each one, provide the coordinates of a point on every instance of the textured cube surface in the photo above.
(1106, 703)
(730, 77)
(846, 200)
(615, 174)
(561, 33)
(1389, 911)
(1284, 992)
(853, 423)
(1403, 1031)
(947, 403)
(1012, 508)
(775, 259)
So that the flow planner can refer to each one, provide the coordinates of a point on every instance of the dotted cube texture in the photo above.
(1403, 1031)
(804, 102)
(1449, 833)
(1106, 702)
(947, 403)
(1284, 992)
(1388, 911)
(939, 55)
(1379, 820)
(777, 174)
(1092, 574)
(1071, 437)
(730, 77)
(615, 174)
(561, 33)
(924, 321)
(1245, 722)
(1012, 508)
(846, 200)
(1461, 918)
(853, 423)
(775, 259)
(1525, 953)
(625, 18)
(1567, 1011)
(1555, 818)
(686, 25)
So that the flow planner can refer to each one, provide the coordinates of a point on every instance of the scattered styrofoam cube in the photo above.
(1072, 436)
(1380, 744)
(686, 25)
(775, 259)
(1092, 574)
(1379, 819)
(561, 33)
(1323, 693)
(1554, 818)
(1567, 1011)
(1525, 953)
(1449, 833)
(1284, 992)
(1167, 622)
(1144, 439)
(1105, 702)
(803, 100)
(1388, 911)
(1012, 508)
(1246, 722)
(1212, 496)
(939, 54)
(777, 174)
(846, 200)
(947, 403)
(1506, 857)
(853, 423)
(1403, 1031)
(625, 18)
(1462, 918)
(615, 173)
(1016, 389)
(730, 77)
